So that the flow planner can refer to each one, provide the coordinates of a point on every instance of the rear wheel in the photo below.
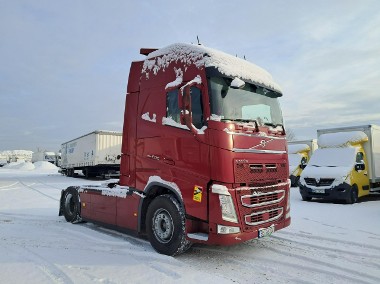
(71, 205)
(165, 223)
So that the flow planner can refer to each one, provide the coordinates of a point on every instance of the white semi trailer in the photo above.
(95, 154)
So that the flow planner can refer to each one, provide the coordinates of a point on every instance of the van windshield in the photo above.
(250, 103)
(333, 157)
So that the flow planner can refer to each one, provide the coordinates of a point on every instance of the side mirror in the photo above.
(186, 108)
(186, 114)
(359, 167)
(303, 166)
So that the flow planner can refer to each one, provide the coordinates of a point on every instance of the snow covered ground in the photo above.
(326, 243)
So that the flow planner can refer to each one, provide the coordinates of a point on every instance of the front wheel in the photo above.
(353, 195)
(165, 223)
(306, 198)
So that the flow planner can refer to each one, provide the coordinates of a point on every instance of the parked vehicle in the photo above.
(15, 156)
(46, 156)
(95, 154)
(4, 158)
(299, 155)
(204, 155)
(346, 166)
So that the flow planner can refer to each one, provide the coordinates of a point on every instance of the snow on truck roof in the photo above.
(297, 148)
(202, 56)
(341, 139)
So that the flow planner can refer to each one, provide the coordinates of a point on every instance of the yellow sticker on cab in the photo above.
(197, 195)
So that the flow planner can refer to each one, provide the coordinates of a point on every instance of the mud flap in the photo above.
(61, 201)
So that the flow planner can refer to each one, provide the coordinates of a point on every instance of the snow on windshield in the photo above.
(201, 56)
(341, 139)
(333, 157)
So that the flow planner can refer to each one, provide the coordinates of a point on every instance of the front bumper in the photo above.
(231, 239)
(339, 192)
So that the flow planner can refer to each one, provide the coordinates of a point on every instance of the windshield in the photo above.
(251, 103)
(333, 157)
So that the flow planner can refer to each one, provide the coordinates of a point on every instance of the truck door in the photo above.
(167, 149)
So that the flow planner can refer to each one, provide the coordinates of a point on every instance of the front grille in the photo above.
(261, 204)
(311, 181)
(258, 218)
(321, 182)
(326, 181)
(262, 198)
(252, 173)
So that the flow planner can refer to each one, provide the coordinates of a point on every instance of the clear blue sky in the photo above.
(65, 64)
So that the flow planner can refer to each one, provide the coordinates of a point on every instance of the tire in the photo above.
(165, 225)
(353, 196)
(297, 181)
(306, 198)
(71, 205)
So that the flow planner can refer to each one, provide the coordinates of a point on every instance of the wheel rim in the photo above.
(69, 204)
(163, 226)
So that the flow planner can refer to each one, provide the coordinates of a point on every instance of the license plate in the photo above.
(318, 190)
(266, 232)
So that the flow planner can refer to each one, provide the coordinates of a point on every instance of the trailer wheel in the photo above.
(71, 205)
(166, 226)
(353, 196)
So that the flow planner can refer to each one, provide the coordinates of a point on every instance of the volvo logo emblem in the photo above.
(262, 143)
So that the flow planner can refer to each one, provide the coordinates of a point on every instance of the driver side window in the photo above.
(174, 112)
(172, 109)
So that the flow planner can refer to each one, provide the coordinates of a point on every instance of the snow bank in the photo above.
(341, 139)
(20, 165)
(297, 148)
(28, 166)
(43, 165)
(202, 57)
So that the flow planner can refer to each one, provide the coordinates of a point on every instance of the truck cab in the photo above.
(339, 169)
(204, 156)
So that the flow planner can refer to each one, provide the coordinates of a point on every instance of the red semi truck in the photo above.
(204, 156)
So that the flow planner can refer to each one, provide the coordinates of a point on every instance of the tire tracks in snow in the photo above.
(279, 266)
(323, 266)
(55, 274)
(8, 187)
(334, 241)
(36, 190)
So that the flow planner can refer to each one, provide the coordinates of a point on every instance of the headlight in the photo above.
(226, 204)
(228, 208)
